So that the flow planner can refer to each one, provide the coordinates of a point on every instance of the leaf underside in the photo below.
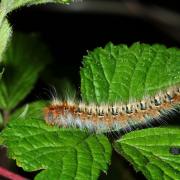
(6, 6)
(10, 5)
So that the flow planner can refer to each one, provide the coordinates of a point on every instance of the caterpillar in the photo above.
(105, 118)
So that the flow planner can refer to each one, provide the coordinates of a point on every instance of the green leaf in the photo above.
(120, 73)
(150, 151)
(60, 153)
(23, 60)
(7, 6)
(5, 33)
(32, 110)
(2, 14)
(1, 73)
(10, 5)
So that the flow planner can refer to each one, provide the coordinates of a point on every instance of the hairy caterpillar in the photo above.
(111, 117)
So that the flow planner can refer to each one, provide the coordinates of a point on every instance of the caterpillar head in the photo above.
(54, 111)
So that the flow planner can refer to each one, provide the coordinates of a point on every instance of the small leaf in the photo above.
(121, 73)
(33, 110)
(62, 153)
(150, 151)
(23, 60)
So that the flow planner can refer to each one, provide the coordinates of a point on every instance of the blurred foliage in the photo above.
(24, 59)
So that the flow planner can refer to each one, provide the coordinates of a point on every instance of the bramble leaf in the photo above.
(25, 57)
(121, 73)
(153, 151)
(59, 153)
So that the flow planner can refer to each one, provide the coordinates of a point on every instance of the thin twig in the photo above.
(10, 175)
(5, 117)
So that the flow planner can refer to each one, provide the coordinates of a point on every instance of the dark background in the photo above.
(69, 31)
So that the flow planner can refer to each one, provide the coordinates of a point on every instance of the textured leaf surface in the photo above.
(62, 153)
(24, 58)
(120, 73)
(151, 151)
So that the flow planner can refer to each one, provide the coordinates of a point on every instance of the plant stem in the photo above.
(5, 117)
(10, 175)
